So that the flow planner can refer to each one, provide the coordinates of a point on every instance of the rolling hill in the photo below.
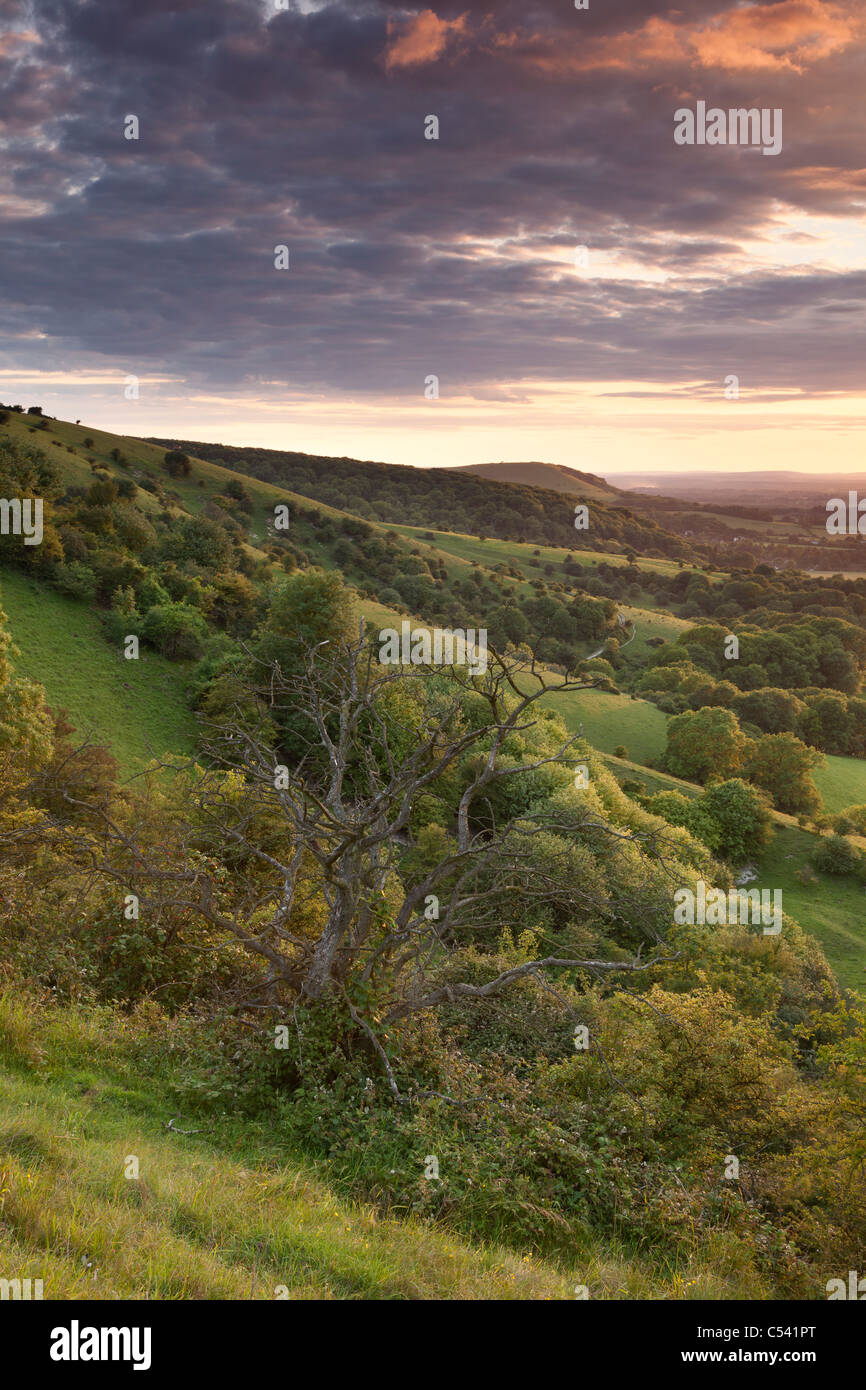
(61, 642)
(555, 477)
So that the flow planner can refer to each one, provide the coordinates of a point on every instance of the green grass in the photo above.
(491, 552)
(841, 782)
(136, 708)
(651, 780)
(226, 1213)
(198, 1222)
(611, 720)
(833, 910)
(649, 623)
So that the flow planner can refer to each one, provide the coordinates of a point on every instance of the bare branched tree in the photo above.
(300, 863)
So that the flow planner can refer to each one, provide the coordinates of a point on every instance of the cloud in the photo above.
(790, 33)
(409, 256)
(421, 39)
(780, 35)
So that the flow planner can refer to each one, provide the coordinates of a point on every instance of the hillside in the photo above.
(554, 477)
(60, 643)
(446, 498)
(221, 1214)
(415, 1119)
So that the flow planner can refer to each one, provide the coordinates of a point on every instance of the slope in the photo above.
(214, 1216)
(555, 477)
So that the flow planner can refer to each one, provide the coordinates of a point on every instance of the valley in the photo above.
(696, 764)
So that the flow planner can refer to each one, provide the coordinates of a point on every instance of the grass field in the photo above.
(611, 720)
(841, 782)
(137, 708)
(649, 623)
(490, 552)
(833, 910)
(210, 1216)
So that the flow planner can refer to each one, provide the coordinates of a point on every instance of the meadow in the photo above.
(841, 782)
(137, 708)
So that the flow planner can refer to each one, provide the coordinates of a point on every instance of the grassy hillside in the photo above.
(137, 708)
(841, 782)
(611, 720)
(444, 498)
(225, 1213)
(211, 1216)
(554, 476)
(833, 909)
(488, 550)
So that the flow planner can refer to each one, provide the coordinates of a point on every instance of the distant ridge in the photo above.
(556, 477)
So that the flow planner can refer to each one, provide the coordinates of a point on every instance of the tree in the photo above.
(705, 742)
(26, 744)
(175, 629)
(783, 766)
(177, 464)
(742, 815)
(772, 710)
(315, 891)
(836, 855)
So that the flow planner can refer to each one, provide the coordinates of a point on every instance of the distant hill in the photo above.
(454, 499)
(555, 477)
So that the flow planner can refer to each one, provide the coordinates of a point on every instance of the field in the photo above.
(136, 708)
(611, 720)
(833, 910)
(841, 782)
(490, 552)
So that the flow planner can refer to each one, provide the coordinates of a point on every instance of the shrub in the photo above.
(177, 464)
(176, 630)
(77, 580)
(836, 855)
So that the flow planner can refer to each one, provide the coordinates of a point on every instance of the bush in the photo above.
(177, 464)
(176, 630)
(836, 855)
(77, 580)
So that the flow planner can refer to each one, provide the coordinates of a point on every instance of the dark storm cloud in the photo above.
(261, 127)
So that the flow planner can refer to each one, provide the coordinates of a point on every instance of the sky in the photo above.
(584, 289)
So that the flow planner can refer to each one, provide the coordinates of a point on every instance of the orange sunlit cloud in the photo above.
(422, 40)
(789, 35)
